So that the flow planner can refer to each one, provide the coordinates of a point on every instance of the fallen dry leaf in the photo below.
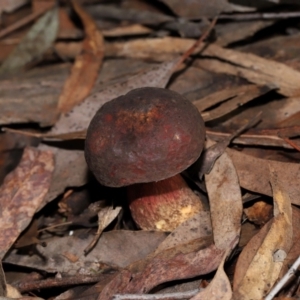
(21, 194)
(219, 288)
(225, 200)
(254, 175)
(256, 69)
(191, 259)
(85, 69)
(234, 103)
(197, 226)
(105, 217)
(117, 248)
(295, 249)
(34, 44)
(255, 280)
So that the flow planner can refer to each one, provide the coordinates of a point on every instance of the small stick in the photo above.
(290, 273)
(25, 286)
(197, 43)
(175, 296)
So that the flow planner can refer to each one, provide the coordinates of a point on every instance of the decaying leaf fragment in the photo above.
(264, 263)
(22, 193)
(225, 201)
(85, 69)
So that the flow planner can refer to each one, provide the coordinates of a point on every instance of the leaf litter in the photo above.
(249, 101)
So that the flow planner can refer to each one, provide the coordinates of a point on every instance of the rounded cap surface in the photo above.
(149, 134)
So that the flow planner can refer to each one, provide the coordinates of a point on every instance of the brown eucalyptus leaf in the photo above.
(85, 69)
(191, 259)
(117, 248)
(197, 226)
(254, 174)
(225, 200)
(256, 69)
(263, 267)
(219, 288)
(21, 194)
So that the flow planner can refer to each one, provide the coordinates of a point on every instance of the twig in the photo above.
(290, 273)
(57, 282)
(197, 43)
(178, 295)
(294, 145)
(258, 16)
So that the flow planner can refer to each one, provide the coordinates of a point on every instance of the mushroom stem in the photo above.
(163, 205)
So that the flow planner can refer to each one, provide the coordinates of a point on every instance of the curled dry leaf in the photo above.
(254, 174)
(85, 69)
(21, 194)
(225, 201)
(263, 268)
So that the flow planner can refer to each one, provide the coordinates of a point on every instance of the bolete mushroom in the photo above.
(143, 140)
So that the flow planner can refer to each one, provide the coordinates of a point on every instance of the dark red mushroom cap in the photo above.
(149, 134)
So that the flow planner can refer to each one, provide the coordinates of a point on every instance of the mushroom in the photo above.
(143, 140)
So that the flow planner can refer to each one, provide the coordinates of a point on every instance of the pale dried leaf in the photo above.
(264, 269)
(225, 201)
(22, 193)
